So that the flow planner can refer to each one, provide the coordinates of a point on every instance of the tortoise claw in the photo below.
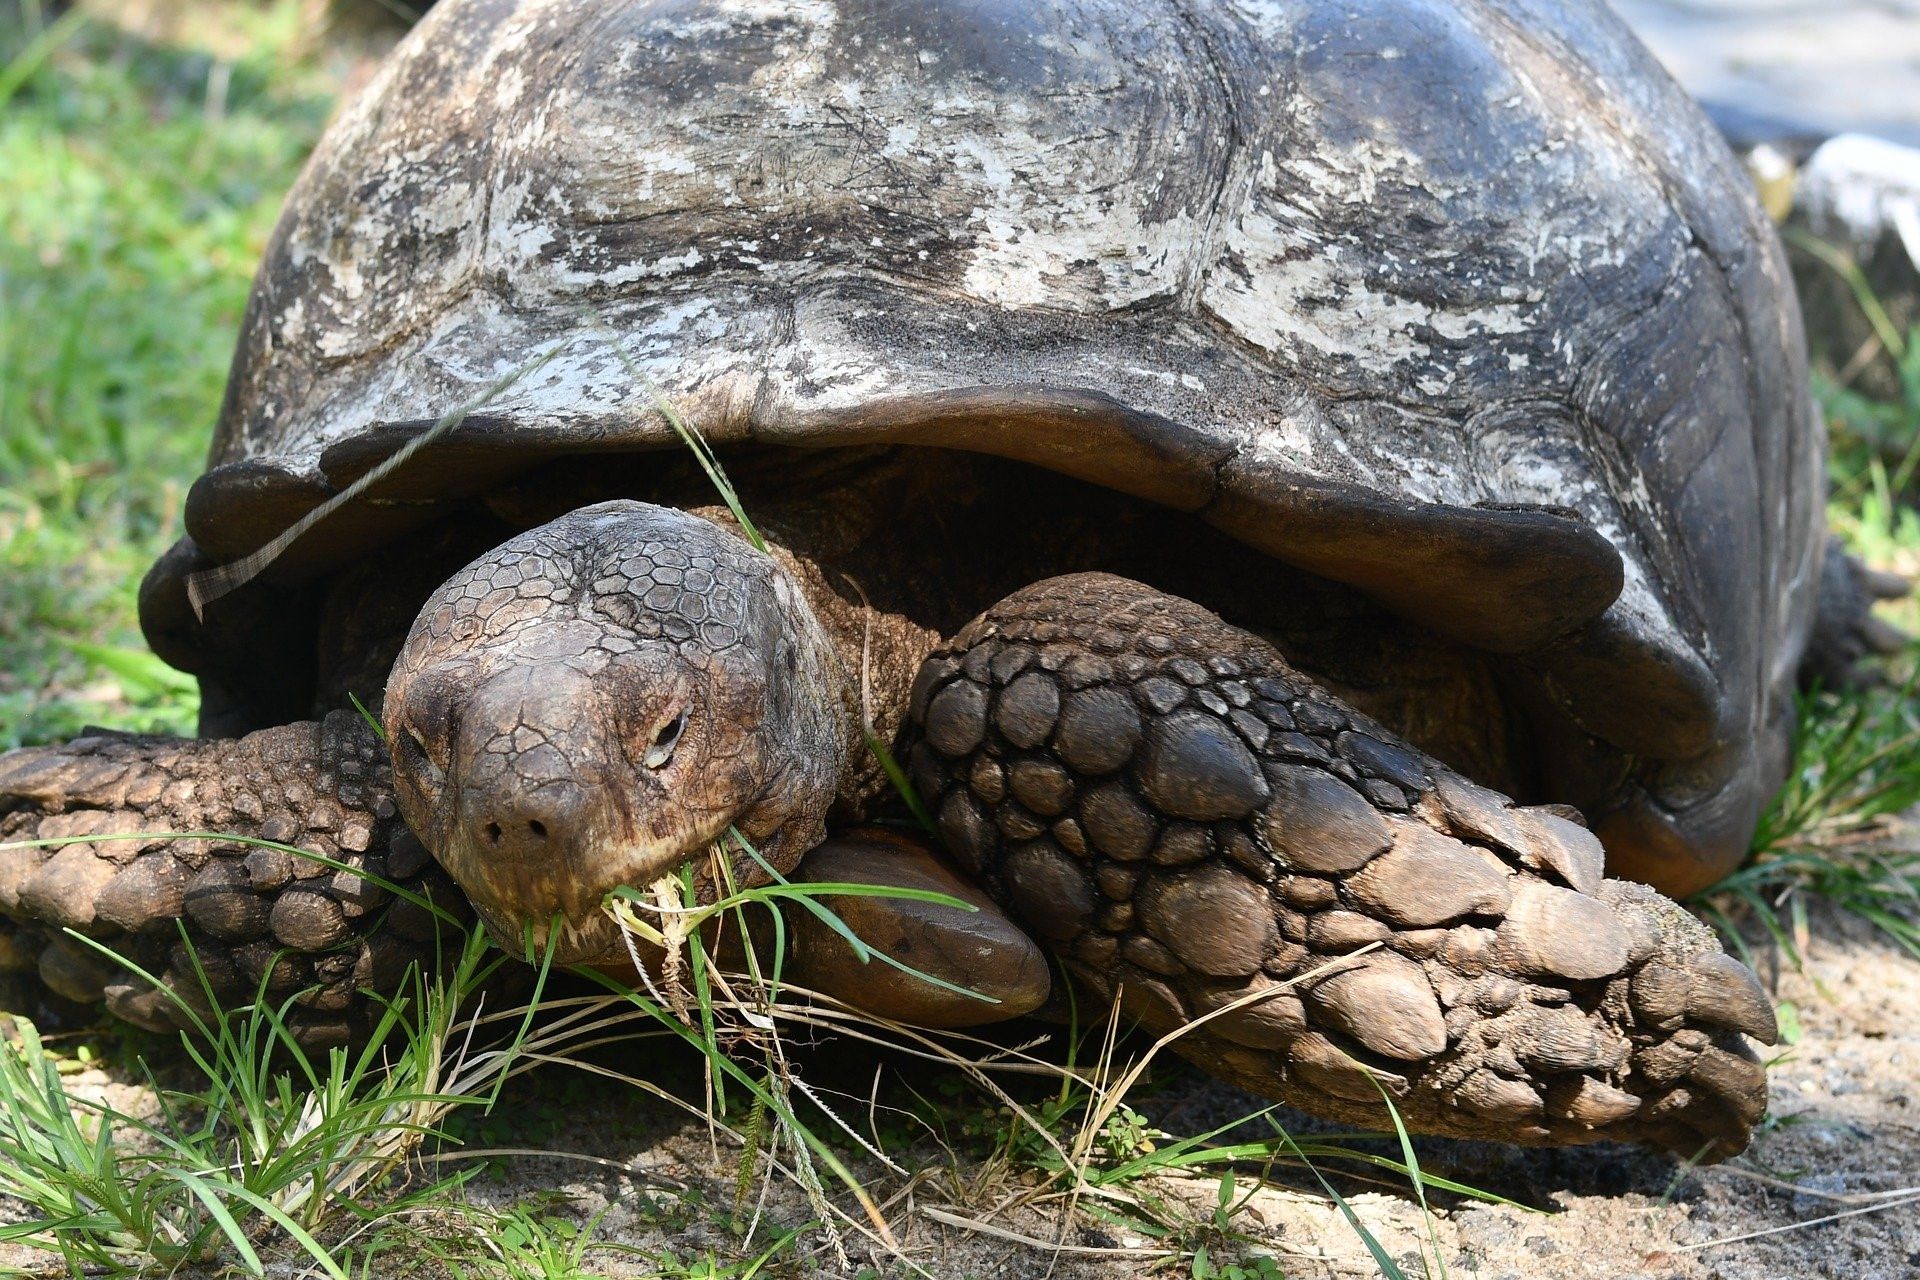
(1846, 636)
(1726, 994)
(981, 952)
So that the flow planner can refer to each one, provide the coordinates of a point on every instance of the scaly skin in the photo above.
(322, 936)
(1189, 821)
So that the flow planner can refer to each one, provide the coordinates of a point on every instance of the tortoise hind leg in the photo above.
(321, 936)
(1191, 822)
(1847, 638)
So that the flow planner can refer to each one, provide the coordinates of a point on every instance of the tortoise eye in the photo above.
(665, 741)
(419, 759)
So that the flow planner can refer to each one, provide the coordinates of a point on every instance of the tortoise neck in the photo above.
(874, 653)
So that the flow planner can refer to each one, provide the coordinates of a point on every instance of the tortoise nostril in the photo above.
(536, 825)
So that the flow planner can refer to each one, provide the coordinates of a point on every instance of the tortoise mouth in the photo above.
(559, 939)
(564, 906)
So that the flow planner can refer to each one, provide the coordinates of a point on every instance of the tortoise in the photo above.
(1306, 491)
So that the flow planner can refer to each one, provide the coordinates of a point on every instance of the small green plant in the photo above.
(262, 1149)
(1856, 769)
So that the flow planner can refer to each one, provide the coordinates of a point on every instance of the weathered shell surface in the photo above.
(1461, 302)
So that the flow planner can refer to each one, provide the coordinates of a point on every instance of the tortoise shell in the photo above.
(1462, 303)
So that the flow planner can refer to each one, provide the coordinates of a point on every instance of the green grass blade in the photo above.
(1381, 1258)
(27, 63)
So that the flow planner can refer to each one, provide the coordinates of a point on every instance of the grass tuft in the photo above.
(142, 178)
(260, 1151)
(1832, 833)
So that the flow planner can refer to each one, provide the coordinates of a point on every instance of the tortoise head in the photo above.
(596, 702)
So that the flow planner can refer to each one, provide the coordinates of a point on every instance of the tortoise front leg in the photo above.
(322, 936)
(1192, 822)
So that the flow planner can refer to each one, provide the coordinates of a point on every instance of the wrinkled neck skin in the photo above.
(596, 702)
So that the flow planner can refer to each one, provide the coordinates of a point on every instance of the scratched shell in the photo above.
(1460, 302)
